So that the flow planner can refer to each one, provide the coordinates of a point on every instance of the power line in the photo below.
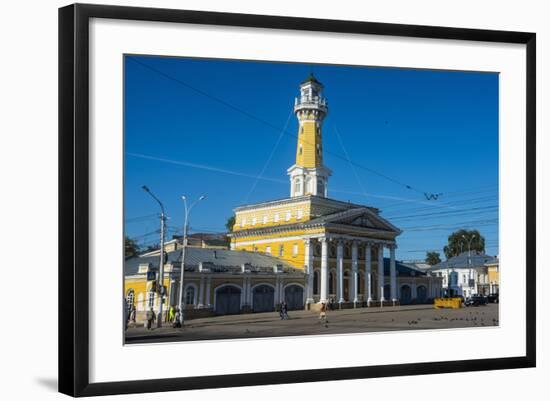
(264, 122)
(452, 213)
(278, 181)
(269, 158)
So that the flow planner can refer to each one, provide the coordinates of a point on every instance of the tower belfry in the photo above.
(309, 176)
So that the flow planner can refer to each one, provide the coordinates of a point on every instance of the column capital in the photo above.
(308, 241)
(392, 246)
(323, 239)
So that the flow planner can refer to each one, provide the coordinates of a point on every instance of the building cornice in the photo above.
(318, 200)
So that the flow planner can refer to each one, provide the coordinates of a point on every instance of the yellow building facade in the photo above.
(305, 250)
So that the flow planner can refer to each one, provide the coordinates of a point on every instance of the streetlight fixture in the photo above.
(160, 286)
(184, 245)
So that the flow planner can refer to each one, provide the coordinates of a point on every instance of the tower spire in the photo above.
(309, 176)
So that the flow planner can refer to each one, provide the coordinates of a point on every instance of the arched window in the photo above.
(331, 283)
(347, 251)
(151, 300)
(308, 185)
(316, 282)
(130, 296)
(190, 295)
(300, 150)
(318, 150)
(318, 249)
(297, 186)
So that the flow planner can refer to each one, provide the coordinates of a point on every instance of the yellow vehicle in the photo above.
(454, 303)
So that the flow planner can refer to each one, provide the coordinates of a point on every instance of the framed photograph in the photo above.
(251, 199)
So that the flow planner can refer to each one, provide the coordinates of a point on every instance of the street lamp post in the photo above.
(184, 246)
(160, 286)
(470, 255)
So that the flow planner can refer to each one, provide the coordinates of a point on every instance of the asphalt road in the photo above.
(301, 322)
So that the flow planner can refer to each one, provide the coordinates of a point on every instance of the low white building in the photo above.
(465, 274)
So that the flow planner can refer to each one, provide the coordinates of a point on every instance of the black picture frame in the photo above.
(74, 198)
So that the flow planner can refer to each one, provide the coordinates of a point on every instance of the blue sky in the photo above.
(197, 126)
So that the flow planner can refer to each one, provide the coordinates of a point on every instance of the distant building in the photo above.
(468, 273)
(196, 240)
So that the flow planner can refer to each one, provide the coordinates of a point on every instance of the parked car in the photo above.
(492, 298)
(476, 300)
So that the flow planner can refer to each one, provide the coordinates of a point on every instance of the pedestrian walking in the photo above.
(284, 309)
(281, 311)
(132, 317)
(177, 319)
(150, 315)
(171, 314)
(323, 312)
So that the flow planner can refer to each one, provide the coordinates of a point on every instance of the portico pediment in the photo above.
(359, 218)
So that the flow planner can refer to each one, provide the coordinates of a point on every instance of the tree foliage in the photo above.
(458, 242)
(230, 223)
(131, 247)
(432, 258)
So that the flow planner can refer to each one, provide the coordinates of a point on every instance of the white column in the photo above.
(277, 286)
(393, 276)
(324, 270)
(244, 296)
(368, 274)
(381, 273)
(354, 274)
(340, 271)
(249, 291)
(201, 293)
(208, 287)
(309, 269)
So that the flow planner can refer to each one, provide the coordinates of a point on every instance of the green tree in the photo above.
(230, 223)
(432, 258)
(131, 247)
(458, 242)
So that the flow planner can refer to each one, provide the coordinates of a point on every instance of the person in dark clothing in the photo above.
(150, 315)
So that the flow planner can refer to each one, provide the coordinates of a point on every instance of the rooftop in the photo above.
(476, 259)
(311, 78)
(220, 260)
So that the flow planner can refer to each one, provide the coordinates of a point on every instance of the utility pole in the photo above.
(470, 256)
(184, 246)
(160, 285)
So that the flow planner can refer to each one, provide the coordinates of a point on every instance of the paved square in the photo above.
(361, 320)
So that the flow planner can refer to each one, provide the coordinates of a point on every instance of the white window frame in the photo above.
(294, 250)
(264, 220)
(150, 300)
(254, 220)
(268, 250)
(299, 214)
(288, 215)
(276, 217)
